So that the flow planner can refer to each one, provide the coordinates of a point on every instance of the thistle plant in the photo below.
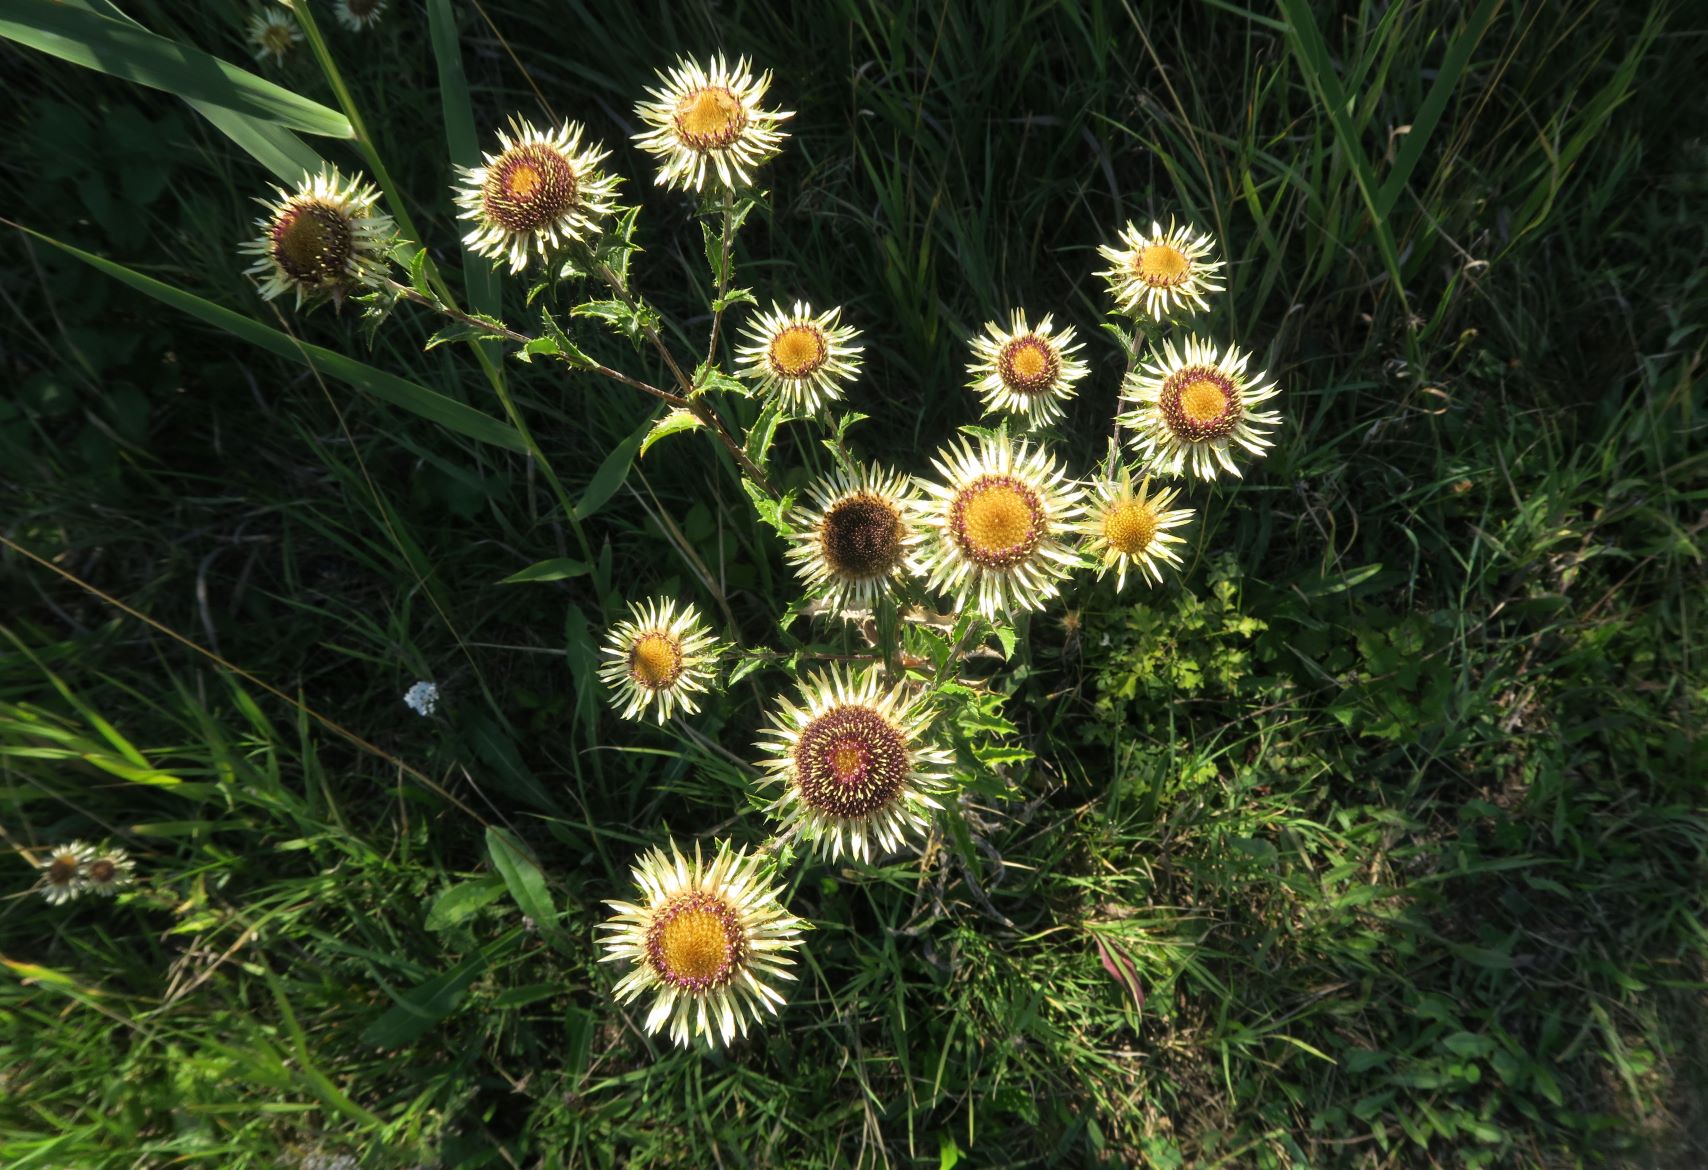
(931, 566)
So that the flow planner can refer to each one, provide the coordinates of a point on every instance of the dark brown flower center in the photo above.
(709, 118)
(1200, 403)
(529, 187)
(1028, 364)
(696, 942)
(62, 870)
(996, 521)
(850, 762)
(102, 870)
(362, 8)
(860, 536)
(313, 243)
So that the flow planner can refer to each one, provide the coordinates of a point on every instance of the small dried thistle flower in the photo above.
(1025, 371)
(540, 192)
(109, 871)
(858, 774)
(323, 239)
(858, 540)
(1192, 405)
(658, 659)
(709, 114)
(709, 942)
(802, 358)
(999, 525)
(272, 33)
(356, 15)
(1127, 527)
(422, 698)
(1158, 273)
(64, 874)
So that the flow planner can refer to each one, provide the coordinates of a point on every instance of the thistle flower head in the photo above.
(1192, 409)
(64, 872)
(802, 358)
(272, 33)
(541, 191)
(1027, 371)
(857, 772)
(658, 659)
(356, 15)
(999, 525)
(1127, 526)
(323, 239)
(708, 942)
(857, 538)
(1159, 273)
(709, 115)
(109, 871)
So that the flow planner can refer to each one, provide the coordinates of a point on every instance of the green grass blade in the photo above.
(271, 145)
(480, 281)
(429, 404)
(1314, 63)
(1453, 65)
(127, 50)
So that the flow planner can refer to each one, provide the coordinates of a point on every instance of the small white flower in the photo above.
(422, 698)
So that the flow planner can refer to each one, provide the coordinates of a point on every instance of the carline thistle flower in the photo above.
(540, 192)
(857, 773)
(1193, 405)
(272, 33)
(802, 358)
(356, 15)
(999, 525)
(64, 873)
(323, 239)
(858, 539)
(1157, 274)
(709, 115)
(1130, 527)
(708, 942)
(1024, 370)
(109, 871)
(659, 659)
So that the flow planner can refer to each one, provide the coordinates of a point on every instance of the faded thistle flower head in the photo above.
(64, 872)
(109, 871)
(1025, 371)
(1192, 408)
(356, 15)
(1126, 527)
(273, 33)
(538, 193)
(709, 115)
(1000, 525)
(857, 539)
(803, 359)
(857, 772)
(323, 239)
(1156, 274)
(709, 943)
(659, 659)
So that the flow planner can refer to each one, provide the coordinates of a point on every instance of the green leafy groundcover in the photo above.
(1374, 839)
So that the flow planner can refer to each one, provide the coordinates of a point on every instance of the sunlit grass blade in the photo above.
(429, 404)
(479, 279)
(131, 52)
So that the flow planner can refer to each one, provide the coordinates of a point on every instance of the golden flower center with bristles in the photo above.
(798, 351)
(62, 869)
(696, 942)
(860, 536)
(709, 118)
(1161, 265)
(1028, 364)
(529, 187)
(655, 660)
(996, 521)
(102, 870)
(850, 762)
(277, 38)
(313, 243)
(1200, 403)
(1130, 526)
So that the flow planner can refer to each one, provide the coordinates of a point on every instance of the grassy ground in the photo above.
(1376, 840)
